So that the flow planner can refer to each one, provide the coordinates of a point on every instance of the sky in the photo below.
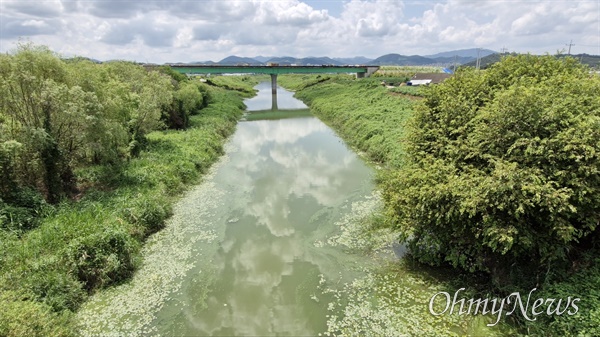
(162, 31)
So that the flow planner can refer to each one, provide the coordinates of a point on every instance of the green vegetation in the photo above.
(57, 116)
(243, 84)
(87, 175)
(409, 90)
(495, 173)
(502, 166)
(404, 71)
(501, 178)
(593, 61)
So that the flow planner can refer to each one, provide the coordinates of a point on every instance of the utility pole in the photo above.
(478, 63)
(503, 50)
(569, 44)
(454, 70)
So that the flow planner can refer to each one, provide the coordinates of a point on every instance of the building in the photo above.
(426, 79)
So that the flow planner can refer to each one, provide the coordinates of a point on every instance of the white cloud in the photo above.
(292, 13)
(184, 30)
(44, 9)
(373, 19)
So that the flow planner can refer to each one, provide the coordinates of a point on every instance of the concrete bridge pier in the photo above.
(274, 84)
(274, 102)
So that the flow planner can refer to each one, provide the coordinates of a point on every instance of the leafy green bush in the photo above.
(103, 258)
(22, 317)
(502, 169)
(206, 94)
(49, 284)
(188, 100)
(57, 116)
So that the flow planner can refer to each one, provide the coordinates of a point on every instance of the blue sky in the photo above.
(335, 7)
(195, 30)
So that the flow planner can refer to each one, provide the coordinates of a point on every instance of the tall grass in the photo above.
(409, 90)
(93, 243)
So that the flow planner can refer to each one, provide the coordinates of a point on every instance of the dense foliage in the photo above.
(56, 116)
(501, 173)
(54, 255)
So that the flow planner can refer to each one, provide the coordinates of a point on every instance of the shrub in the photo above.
(103, 258)
(502, 168)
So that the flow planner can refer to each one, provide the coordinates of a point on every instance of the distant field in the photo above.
(405, 71)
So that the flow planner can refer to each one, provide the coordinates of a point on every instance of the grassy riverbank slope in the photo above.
(92, 242)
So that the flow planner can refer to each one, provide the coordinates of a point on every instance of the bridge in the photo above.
(273, 70)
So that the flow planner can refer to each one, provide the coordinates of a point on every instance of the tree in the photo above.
(502, 168)
(187, 101)
(31, 101)
(56, 116)
(144, 96)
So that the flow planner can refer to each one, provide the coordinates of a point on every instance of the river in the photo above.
(246, 251)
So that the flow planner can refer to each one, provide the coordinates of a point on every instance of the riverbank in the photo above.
(98, 237)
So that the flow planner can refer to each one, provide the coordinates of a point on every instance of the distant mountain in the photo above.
(353, 60)
(591, 60)
(263, 59)
(401, 60)
(445, 59)
(468, 53)
(235, 60)
(201, 62)
(486, 61)
(285, 61)
(450, 60)
(307, 61)
(320, 61)
(441, 59)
